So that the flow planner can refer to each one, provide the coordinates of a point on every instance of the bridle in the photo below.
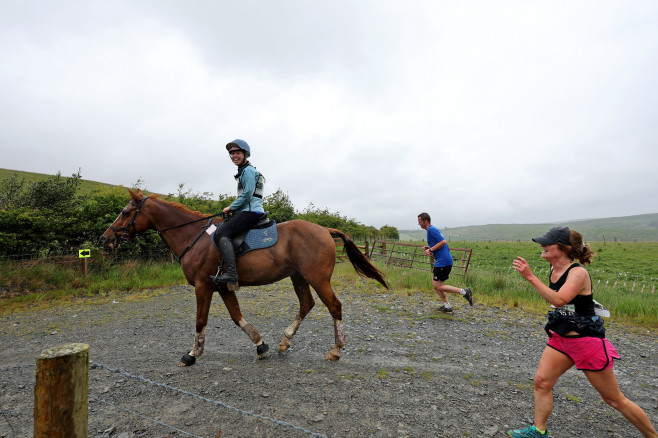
(125, 229)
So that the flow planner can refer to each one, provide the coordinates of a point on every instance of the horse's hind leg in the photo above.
(339, 336)
(233, 307)
(334, 305)
(306, 303)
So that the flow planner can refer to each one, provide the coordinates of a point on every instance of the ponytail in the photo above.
(577, 249)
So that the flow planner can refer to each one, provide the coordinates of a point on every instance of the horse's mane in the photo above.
(176, 205)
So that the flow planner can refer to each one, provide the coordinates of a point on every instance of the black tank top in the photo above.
(584, 304)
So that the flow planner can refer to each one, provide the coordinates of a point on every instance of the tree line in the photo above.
(52, 216)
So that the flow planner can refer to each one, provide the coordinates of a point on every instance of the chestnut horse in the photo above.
(305, 252)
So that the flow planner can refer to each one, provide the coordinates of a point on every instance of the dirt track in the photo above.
(405, 371)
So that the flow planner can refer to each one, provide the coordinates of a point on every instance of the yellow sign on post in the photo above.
(84, 253)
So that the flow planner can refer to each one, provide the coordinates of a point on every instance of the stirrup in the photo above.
(223, 278)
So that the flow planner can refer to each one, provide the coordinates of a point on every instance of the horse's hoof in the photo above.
(284, 345)
(262, 350)
(187, 361)
(333, 355)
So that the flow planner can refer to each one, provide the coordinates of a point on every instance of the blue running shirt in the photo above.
(442, 256)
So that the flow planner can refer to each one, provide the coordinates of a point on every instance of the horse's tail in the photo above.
(361, 264)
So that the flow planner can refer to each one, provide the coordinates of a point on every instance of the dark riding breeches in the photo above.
(242, 221)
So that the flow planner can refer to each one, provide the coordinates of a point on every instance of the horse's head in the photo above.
(128, 223)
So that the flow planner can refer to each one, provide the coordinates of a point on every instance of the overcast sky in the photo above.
(477, 112)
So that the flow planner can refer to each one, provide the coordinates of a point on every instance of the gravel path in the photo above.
(405, 371)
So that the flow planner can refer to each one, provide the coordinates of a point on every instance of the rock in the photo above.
(490, 431)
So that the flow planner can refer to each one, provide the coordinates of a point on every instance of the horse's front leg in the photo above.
(233, 307)
(203, 300)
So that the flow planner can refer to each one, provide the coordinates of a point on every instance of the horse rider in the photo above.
(247, 209)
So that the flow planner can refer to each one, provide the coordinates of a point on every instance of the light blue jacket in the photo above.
(250, 190)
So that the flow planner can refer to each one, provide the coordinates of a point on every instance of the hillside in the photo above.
(639, 228)
(86, 186)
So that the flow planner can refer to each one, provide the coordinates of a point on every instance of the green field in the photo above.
(616, 261)
(634, 261)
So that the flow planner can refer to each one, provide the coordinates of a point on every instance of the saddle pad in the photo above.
(260, 238)
(256, 238)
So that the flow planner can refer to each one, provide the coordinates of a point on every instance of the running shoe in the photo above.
(469, 295)
(445, 309)
(528, 432)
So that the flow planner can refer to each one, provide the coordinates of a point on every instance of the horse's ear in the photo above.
(136, 196)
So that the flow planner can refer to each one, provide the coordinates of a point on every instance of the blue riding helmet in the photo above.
(240, 144)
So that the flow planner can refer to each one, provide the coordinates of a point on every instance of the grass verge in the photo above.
(45, 282)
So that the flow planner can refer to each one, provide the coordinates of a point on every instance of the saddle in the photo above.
(260, 236)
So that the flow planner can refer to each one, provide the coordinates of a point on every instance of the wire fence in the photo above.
(102, 260)
(14, 424)
(144, 253)
(600, 278)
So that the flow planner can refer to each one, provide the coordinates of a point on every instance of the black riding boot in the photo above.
(230, 274)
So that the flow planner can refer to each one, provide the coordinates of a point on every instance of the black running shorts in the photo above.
(441, 273)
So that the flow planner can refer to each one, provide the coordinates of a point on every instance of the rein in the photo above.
(159, 232)
(198, 236)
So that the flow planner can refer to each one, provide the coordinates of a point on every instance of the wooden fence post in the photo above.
(60, 392)
(84, 267)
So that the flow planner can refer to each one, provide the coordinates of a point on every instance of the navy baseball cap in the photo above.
(554, 235)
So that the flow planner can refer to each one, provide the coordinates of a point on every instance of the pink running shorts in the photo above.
(589, 353)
